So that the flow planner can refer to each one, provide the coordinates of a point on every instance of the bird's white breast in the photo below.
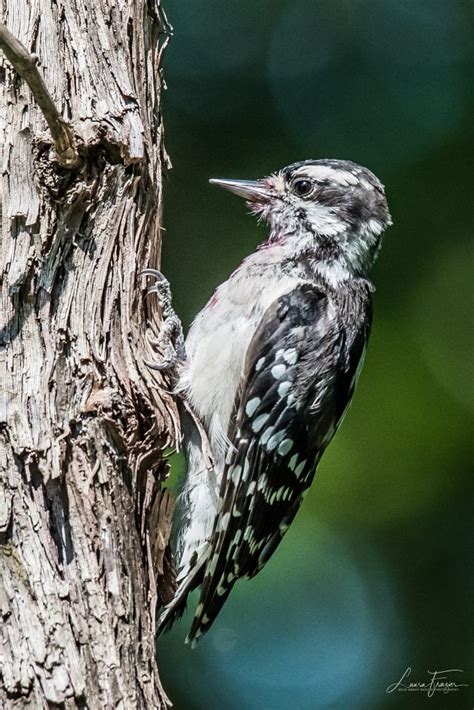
(219, 338)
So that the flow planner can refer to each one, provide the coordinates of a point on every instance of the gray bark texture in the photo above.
(84, 422)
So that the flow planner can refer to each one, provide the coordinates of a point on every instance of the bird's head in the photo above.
(334, 207)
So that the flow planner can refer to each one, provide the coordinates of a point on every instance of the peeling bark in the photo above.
(83, 421)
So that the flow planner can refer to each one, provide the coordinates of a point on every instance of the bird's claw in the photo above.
(162, 288)
(170, 341)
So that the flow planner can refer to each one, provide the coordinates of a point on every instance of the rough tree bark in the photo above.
(83, 420)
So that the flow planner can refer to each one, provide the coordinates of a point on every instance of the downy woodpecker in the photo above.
(271, 365)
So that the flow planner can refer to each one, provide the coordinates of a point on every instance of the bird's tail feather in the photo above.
(196, 506)
(190, 579)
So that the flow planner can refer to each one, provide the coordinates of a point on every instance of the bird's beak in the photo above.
(251, 190)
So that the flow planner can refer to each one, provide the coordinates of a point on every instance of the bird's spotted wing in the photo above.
(296, 384)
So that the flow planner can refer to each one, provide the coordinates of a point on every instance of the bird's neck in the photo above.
(334, 256)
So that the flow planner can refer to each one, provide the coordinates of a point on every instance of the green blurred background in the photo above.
(375, 575)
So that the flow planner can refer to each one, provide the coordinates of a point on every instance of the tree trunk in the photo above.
(83, 423)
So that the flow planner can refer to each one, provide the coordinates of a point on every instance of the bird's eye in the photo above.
(302, 188)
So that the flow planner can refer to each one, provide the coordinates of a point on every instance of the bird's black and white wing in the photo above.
(298, 380)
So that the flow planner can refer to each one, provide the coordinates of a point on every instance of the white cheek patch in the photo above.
(324, 219)
(325, 172)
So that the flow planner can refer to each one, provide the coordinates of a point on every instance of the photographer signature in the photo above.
(438, 682)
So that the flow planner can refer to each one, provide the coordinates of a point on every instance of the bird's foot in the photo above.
(170, 341)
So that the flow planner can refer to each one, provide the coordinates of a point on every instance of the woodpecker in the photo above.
(271, 365)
